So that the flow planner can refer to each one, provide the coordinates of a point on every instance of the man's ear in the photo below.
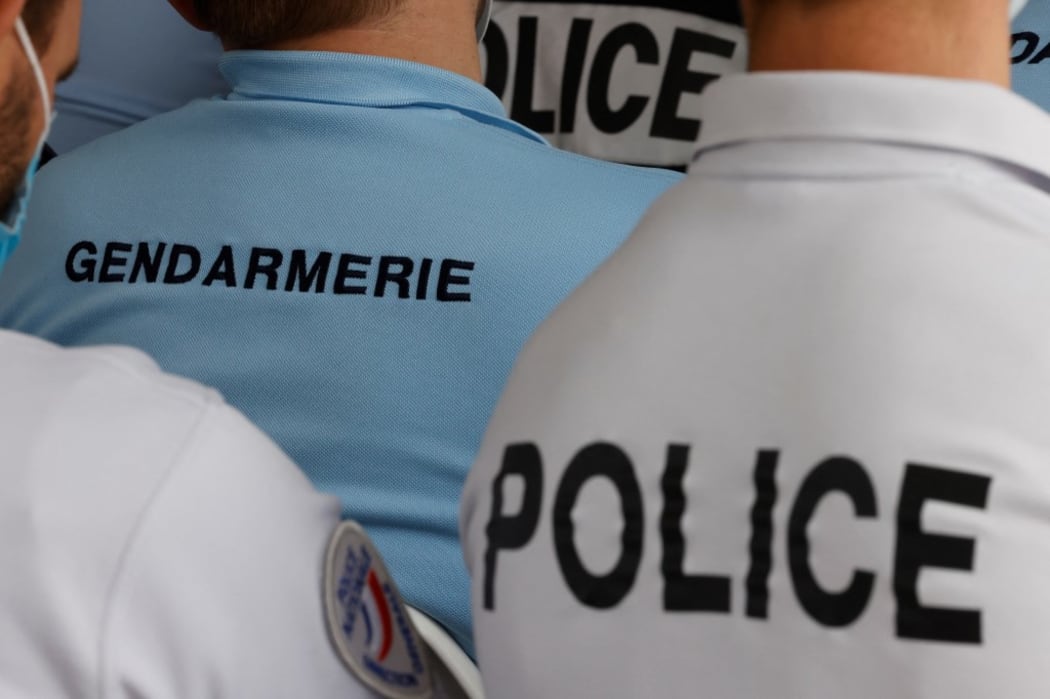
(188, 10)
(10, 10)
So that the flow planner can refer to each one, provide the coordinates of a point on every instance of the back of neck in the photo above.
(966, 39)
(443, 40)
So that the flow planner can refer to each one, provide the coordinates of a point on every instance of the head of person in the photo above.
(265, 24)
(38, 47)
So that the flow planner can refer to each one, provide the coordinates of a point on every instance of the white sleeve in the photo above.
(219, 594)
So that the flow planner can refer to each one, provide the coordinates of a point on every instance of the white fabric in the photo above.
(154, 544)
(449, 661)
(858, 266)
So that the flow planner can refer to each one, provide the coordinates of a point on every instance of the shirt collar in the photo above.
(360, 80)
(955, 115)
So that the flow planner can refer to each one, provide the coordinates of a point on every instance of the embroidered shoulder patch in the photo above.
(368, 622)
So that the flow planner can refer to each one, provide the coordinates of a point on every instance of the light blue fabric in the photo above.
(383, 400)
(1031, 53)
(138, 58)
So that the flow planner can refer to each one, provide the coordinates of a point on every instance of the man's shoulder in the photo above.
(98, 432)
(617, 175)
(118, 169)
(90, 437)
(549, 189)
(119, 478)
(111, 409)
(602, 176)
(59, 374)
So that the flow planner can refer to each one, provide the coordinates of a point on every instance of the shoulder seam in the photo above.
(650, 173)
(209, 409)
(152, 375)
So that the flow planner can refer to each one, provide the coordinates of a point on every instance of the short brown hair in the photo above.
(249, 24)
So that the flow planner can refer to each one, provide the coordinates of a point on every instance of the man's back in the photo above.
(353, 250)
(791, 440)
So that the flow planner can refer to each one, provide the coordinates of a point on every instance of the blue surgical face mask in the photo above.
(14, 217)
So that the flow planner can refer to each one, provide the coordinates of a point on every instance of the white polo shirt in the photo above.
(792, 440)
(153, 543)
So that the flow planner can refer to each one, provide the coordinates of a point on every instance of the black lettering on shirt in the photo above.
(1030, 52)
(682, 592)
(424, 279)
(761, 547)
(114, 257)
(522, 110)
(506, 532)
(635, 67)
(223, 270)
(179, 252)
(346, 272)
(646, 50)
(917, 549)
(572, 75)
(678, 80)
(147, 263)
(80, 262)
(302, 279)
(400, 277)
(846, 476)
(397, 277)
(446, 280)
(608, 461)
(1042, 55)
(268, 269)
(1031, 43)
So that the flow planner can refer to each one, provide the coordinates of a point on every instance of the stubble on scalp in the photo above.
(16, 141)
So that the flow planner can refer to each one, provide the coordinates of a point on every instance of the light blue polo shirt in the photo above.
(353, 249)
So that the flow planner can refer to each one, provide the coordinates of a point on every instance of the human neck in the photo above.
(444, 40)
(966, 39)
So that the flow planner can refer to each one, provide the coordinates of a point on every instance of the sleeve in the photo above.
(220, 591)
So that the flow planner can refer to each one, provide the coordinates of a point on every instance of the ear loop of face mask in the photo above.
(38, 73)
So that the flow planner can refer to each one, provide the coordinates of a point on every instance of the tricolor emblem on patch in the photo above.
(367, 620)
